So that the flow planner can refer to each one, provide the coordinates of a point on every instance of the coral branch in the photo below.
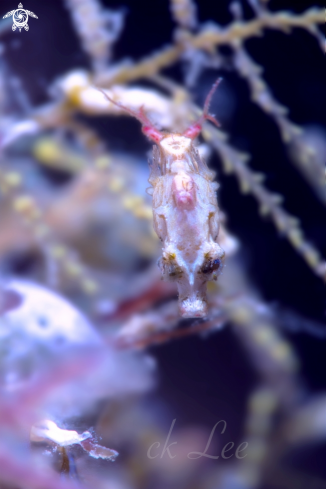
(233, 34)
(59, 254)
(235, 162)
(184, 13)
(97, 28)
(291, 134)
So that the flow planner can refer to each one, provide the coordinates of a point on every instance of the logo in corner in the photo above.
(20, 18)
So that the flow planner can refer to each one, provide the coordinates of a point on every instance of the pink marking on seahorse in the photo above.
(184, 193)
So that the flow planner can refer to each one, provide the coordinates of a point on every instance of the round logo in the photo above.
(20, 18)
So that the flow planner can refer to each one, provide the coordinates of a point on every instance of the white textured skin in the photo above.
(186, 220)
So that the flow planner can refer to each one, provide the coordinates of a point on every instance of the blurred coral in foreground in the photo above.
(81, 300)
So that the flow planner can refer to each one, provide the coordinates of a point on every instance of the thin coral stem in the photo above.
(194, 130)
(163, 337)
(209, 97)
(140, 115)
(147, 126)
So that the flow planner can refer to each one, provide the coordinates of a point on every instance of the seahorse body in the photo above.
(186, 220)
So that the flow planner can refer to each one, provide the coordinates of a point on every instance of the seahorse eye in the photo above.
(211, 266)
(169, 269)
